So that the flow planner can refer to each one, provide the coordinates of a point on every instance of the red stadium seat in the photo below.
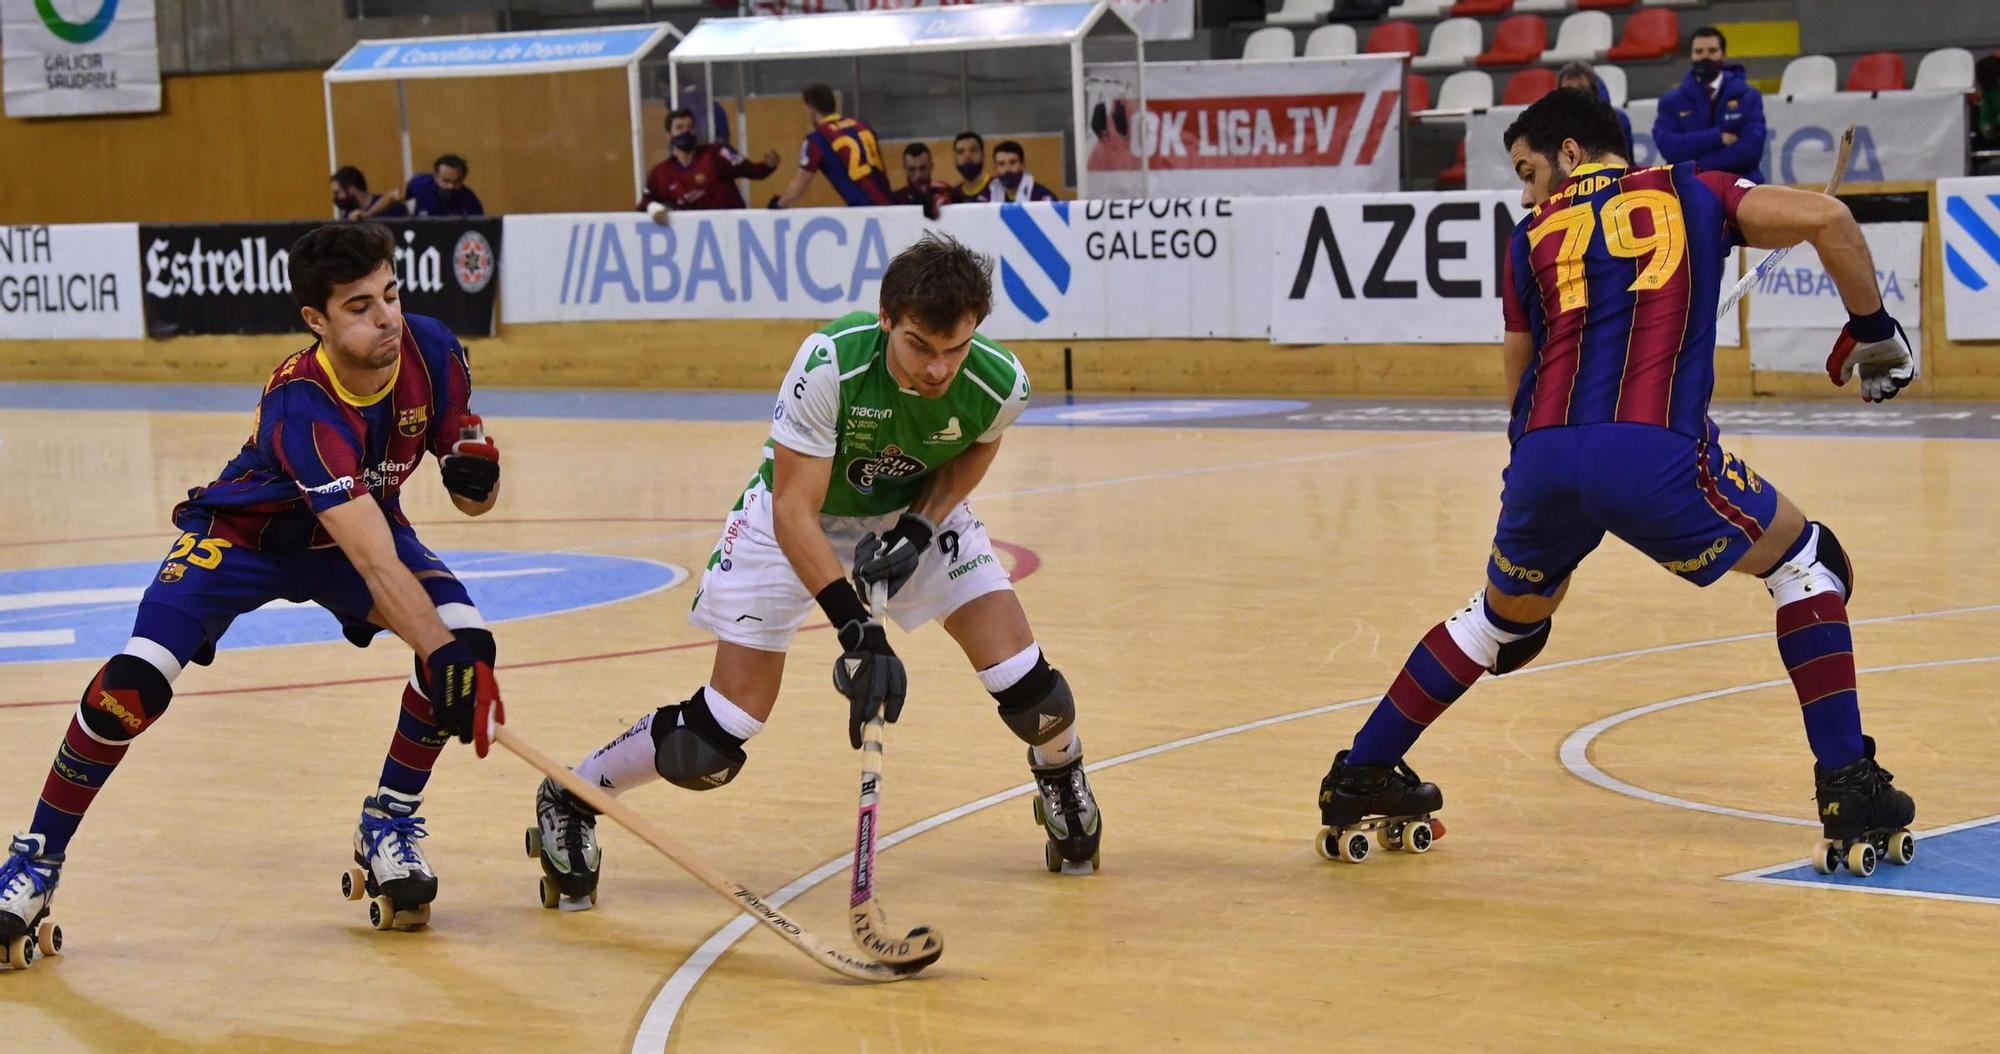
(1472, 8)
(1416, 93)
(1394, 36)
(1877, 71)
(1517, 41)
(1603, 5)
(1527, 86)
(1453, 178)
(1650, 34)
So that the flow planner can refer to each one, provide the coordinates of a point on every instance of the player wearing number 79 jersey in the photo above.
(1612, 281)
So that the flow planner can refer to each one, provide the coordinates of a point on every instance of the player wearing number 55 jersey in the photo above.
(886, 423)
(1610, 300)
(308, 510)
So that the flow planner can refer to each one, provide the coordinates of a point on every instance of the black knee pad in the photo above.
(125, 698)
(1038, 707)
(1518, 653)
(691, 750)
(1835, 559)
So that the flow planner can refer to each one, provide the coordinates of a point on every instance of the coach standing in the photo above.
(698, 175)
(1714, 118)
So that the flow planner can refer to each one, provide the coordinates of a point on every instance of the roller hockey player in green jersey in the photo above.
(885, 424)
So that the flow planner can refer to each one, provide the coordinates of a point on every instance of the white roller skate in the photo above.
(389, 868)
(564, 838)
(28, 879)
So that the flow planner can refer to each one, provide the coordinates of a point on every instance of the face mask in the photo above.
(684, 142)
(1706, 70)
(1011, 180)
(971, 170)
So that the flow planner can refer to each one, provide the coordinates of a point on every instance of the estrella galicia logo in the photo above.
(891, 463)
(1971, 246)
(77, 32)
(1037, 247)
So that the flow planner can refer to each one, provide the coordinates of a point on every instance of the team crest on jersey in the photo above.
(411, 421)
(173, 572)
(891, 463)
(700, 178)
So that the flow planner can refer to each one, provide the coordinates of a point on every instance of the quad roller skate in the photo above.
(1067, 810)
(1389, 801)
(1864, 819)
(28, 879)
(564, 838)
(388, 868)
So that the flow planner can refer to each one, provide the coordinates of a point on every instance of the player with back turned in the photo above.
(309, 510)
(886, 423)
(1612, 281)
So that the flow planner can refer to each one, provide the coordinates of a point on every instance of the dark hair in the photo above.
(820, 98)
(349, 176)
(1710, 31)
(1576, 69)
(916, 150)
(1008, 146)
(676, 114)
(335, 254)
(1569, 113)
(936, 283)
(974, 136)
(454, 161)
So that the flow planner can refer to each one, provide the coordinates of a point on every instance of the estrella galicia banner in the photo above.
(67, 57)
(236, 277)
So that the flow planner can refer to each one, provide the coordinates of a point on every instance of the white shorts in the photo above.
(750, 596)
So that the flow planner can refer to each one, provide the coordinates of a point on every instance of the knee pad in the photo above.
(691, 751)
(1500, 646)
(1518, 653)
(1818, 565)
(124, 699)
(1038, 707)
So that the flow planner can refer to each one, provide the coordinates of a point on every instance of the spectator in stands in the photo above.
(843, 149)
(968, 155)
(1714, 118)
(1011, 179)
(439, 192)
(918, 187)
(351, 200)
(1579, 75)
(698, 175)
(1986, 125)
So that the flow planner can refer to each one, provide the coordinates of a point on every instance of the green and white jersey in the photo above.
(841, 402)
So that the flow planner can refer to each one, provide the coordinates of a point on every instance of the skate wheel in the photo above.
(48, 938)
(1326, 845)
(415, 918)
(551, 896)
(20, 953)
(1902, 848)
(1417, 837)
(1051, 857)
(381, 913)
(593, 898)
(353, 883)
(1826, 856)
(1861, 858)
(1389, 837)
(1353, 846)
(1041, 815)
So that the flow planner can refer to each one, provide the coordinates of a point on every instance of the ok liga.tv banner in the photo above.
(1282, 126)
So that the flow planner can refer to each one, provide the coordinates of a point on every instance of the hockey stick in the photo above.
(921, 946)
(490, 728)
(1769, 262)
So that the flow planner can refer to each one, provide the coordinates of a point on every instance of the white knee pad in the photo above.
(1476, 635)
(1806, 574)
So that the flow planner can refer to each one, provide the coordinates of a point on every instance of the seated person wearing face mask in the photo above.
(1011, 180)
(1714, 118)
(697, 175)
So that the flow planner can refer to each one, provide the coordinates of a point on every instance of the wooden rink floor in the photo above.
(1191, 580)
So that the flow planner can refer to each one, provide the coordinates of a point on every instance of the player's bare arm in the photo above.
(956, 481)
(798, 485)
(362, 533)
(794, 189)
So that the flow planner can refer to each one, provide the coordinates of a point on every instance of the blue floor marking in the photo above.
(1961, 863)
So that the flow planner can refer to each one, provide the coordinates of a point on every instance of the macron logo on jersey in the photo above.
(950, 433)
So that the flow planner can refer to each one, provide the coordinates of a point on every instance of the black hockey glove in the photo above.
(457, 682)
(892, 558)
(472, 469)
(868, 672)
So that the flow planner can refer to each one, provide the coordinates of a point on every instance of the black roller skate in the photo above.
(564, 839)
(388, 868)
(1388, 800)
(28, 879)
(1068, 812)
(1864, 819)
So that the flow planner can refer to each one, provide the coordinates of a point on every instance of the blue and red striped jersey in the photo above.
(1616, 279)
(844, 150)
(316, 445)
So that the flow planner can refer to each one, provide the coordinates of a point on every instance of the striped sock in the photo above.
(1818, 649)
(1437, 672)
(82, 765)
(415, 747)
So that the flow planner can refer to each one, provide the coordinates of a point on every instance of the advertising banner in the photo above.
(1968, 212)
(235, 277)
(1796, 313)
(79, 281)
(68, 57)
(1154, 19)
(1290, 126)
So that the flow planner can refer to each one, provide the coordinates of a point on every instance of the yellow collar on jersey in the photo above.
(1594, 166)
(348, 397)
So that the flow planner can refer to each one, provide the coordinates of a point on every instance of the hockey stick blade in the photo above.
(1770, 261)
(488, 729)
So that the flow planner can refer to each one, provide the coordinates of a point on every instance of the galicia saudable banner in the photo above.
(236, 278)
(67, 57)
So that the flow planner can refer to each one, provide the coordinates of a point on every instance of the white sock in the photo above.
(623, 763)
(731, 717)
(1007, 673)
(1061, 750)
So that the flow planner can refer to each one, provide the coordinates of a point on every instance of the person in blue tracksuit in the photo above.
(1714, 118)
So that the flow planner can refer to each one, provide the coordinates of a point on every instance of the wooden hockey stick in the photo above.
(923, 945)
(1765, 265)
(490, 728)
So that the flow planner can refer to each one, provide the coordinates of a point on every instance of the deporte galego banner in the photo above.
(236, 277)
